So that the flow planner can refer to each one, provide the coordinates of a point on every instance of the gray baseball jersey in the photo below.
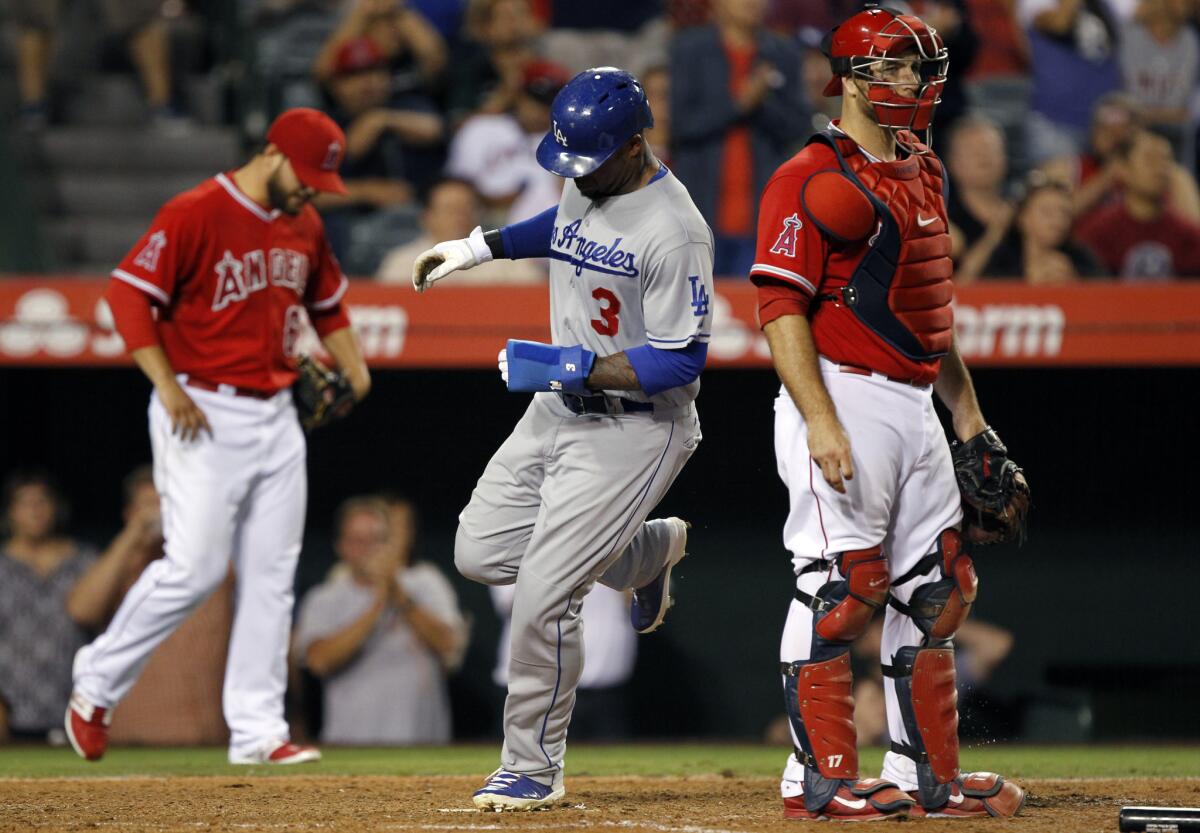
(630, 270)
(564, 501)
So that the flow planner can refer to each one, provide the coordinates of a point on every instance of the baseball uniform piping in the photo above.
(144, 285)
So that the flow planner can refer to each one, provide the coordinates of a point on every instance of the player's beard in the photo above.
(281, 199)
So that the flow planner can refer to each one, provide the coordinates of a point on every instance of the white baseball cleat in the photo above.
(651, 602)
(277, 752)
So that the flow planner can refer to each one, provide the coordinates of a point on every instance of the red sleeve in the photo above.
(132, 315)
(161, 256)
(323, 296)
(790, 246)
(779, 298)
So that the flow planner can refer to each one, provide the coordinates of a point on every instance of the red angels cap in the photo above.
(314, 144)
(356, 55)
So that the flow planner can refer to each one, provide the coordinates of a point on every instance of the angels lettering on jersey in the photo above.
(237, 278)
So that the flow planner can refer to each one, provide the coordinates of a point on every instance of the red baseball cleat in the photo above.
(975, 794)
(87, 727)
(870, 799)
(283, 752)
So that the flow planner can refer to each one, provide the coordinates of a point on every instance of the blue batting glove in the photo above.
(533, 366)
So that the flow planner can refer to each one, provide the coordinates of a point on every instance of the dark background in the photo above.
(1101, 599)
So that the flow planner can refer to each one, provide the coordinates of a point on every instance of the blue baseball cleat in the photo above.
(650, 603)
(506, 790)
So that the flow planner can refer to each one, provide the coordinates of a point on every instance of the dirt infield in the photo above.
(642, 805)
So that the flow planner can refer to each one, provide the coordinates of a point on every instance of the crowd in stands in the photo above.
(1068, 126)
(380, 634)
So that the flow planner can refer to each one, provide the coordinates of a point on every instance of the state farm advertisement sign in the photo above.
(65, 321)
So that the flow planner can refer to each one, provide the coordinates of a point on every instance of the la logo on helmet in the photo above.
(558, 136)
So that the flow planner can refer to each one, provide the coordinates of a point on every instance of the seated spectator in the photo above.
(381, 633)
(411, 48)
(737, 109)
(451, 212)
(1160, 59)
(383, 166)
(1099, 171)
(1073, 46)
(978, 168)
(486, 68)
(495, 152)
(176, 700)
(38, 639)
(602, 700)
(1036, 245)
(1141, 236)
(139, 22)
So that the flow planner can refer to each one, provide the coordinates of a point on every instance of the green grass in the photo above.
(639, 759)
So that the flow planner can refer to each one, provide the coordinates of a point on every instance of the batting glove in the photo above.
(444, 258)
(502, 359)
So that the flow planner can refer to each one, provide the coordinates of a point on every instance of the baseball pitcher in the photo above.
(211, 302)
(564, 501)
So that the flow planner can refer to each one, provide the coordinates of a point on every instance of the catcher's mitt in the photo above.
(996, 498)
(322, 395)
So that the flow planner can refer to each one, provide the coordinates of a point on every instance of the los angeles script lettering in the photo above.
(585, 251)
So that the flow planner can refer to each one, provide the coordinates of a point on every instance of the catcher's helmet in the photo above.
(593, 115)
(875, 38)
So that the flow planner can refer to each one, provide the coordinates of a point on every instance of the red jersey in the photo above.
(1167, 247)
(232, 282)
(796, 260)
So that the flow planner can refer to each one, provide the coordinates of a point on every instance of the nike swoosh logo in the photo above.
(876, 582)
(956, 798)
(922, 222)
(853, 805)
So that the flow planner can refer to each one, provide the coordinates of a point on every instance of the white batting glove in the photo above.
(444, 258)
(502, 359)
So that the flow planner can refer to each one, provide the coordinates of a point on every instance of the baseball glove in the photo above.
(322, 395)
(995, 494)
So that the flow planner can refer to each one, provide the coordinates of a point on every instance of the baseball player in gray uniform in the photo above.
(563, 503)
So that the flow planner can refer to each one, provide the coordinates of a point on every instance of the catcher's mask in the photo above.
(875, 45)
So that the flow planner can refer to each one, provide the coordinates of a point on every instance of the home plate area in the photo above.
(701, 804)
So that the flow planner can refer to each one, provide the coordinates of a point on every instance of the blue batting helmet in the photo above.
(593, 115)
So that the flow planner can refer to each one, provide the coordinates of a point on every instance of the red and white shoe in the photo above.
(976, 794)
(278, 752)
(87, 727)
(871, 799)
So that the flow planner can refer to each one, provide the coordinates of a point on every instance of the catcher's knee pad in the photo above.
(928, 700)
(940, 607)
(843, 607)
(820, 706)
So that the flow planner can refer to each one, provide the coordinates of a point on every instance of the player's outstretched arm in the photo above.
(528, 238)
(795, 357)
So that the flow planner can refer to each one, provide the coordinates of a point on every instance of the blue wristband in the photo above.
(533, 366)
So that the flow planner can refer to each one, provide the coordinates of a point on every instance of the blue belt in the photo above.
(603, 405)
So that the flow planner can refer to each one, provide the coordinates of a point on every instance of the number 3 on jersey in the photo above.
(609, 309)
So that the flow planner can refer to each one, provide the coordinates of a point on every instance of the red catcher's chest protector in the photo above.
(901, 289)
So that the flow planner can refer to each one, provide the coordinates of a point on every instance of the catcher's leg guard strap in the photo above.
(820, 705)
(925, 689)
(940, 607)
(844, 606)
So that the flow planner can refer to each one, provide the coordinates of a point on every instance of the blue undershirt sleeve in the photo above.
(529, 238)
(659, 370)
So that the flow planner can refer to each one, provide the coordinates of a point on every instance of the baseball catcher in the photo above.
(854, 285)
